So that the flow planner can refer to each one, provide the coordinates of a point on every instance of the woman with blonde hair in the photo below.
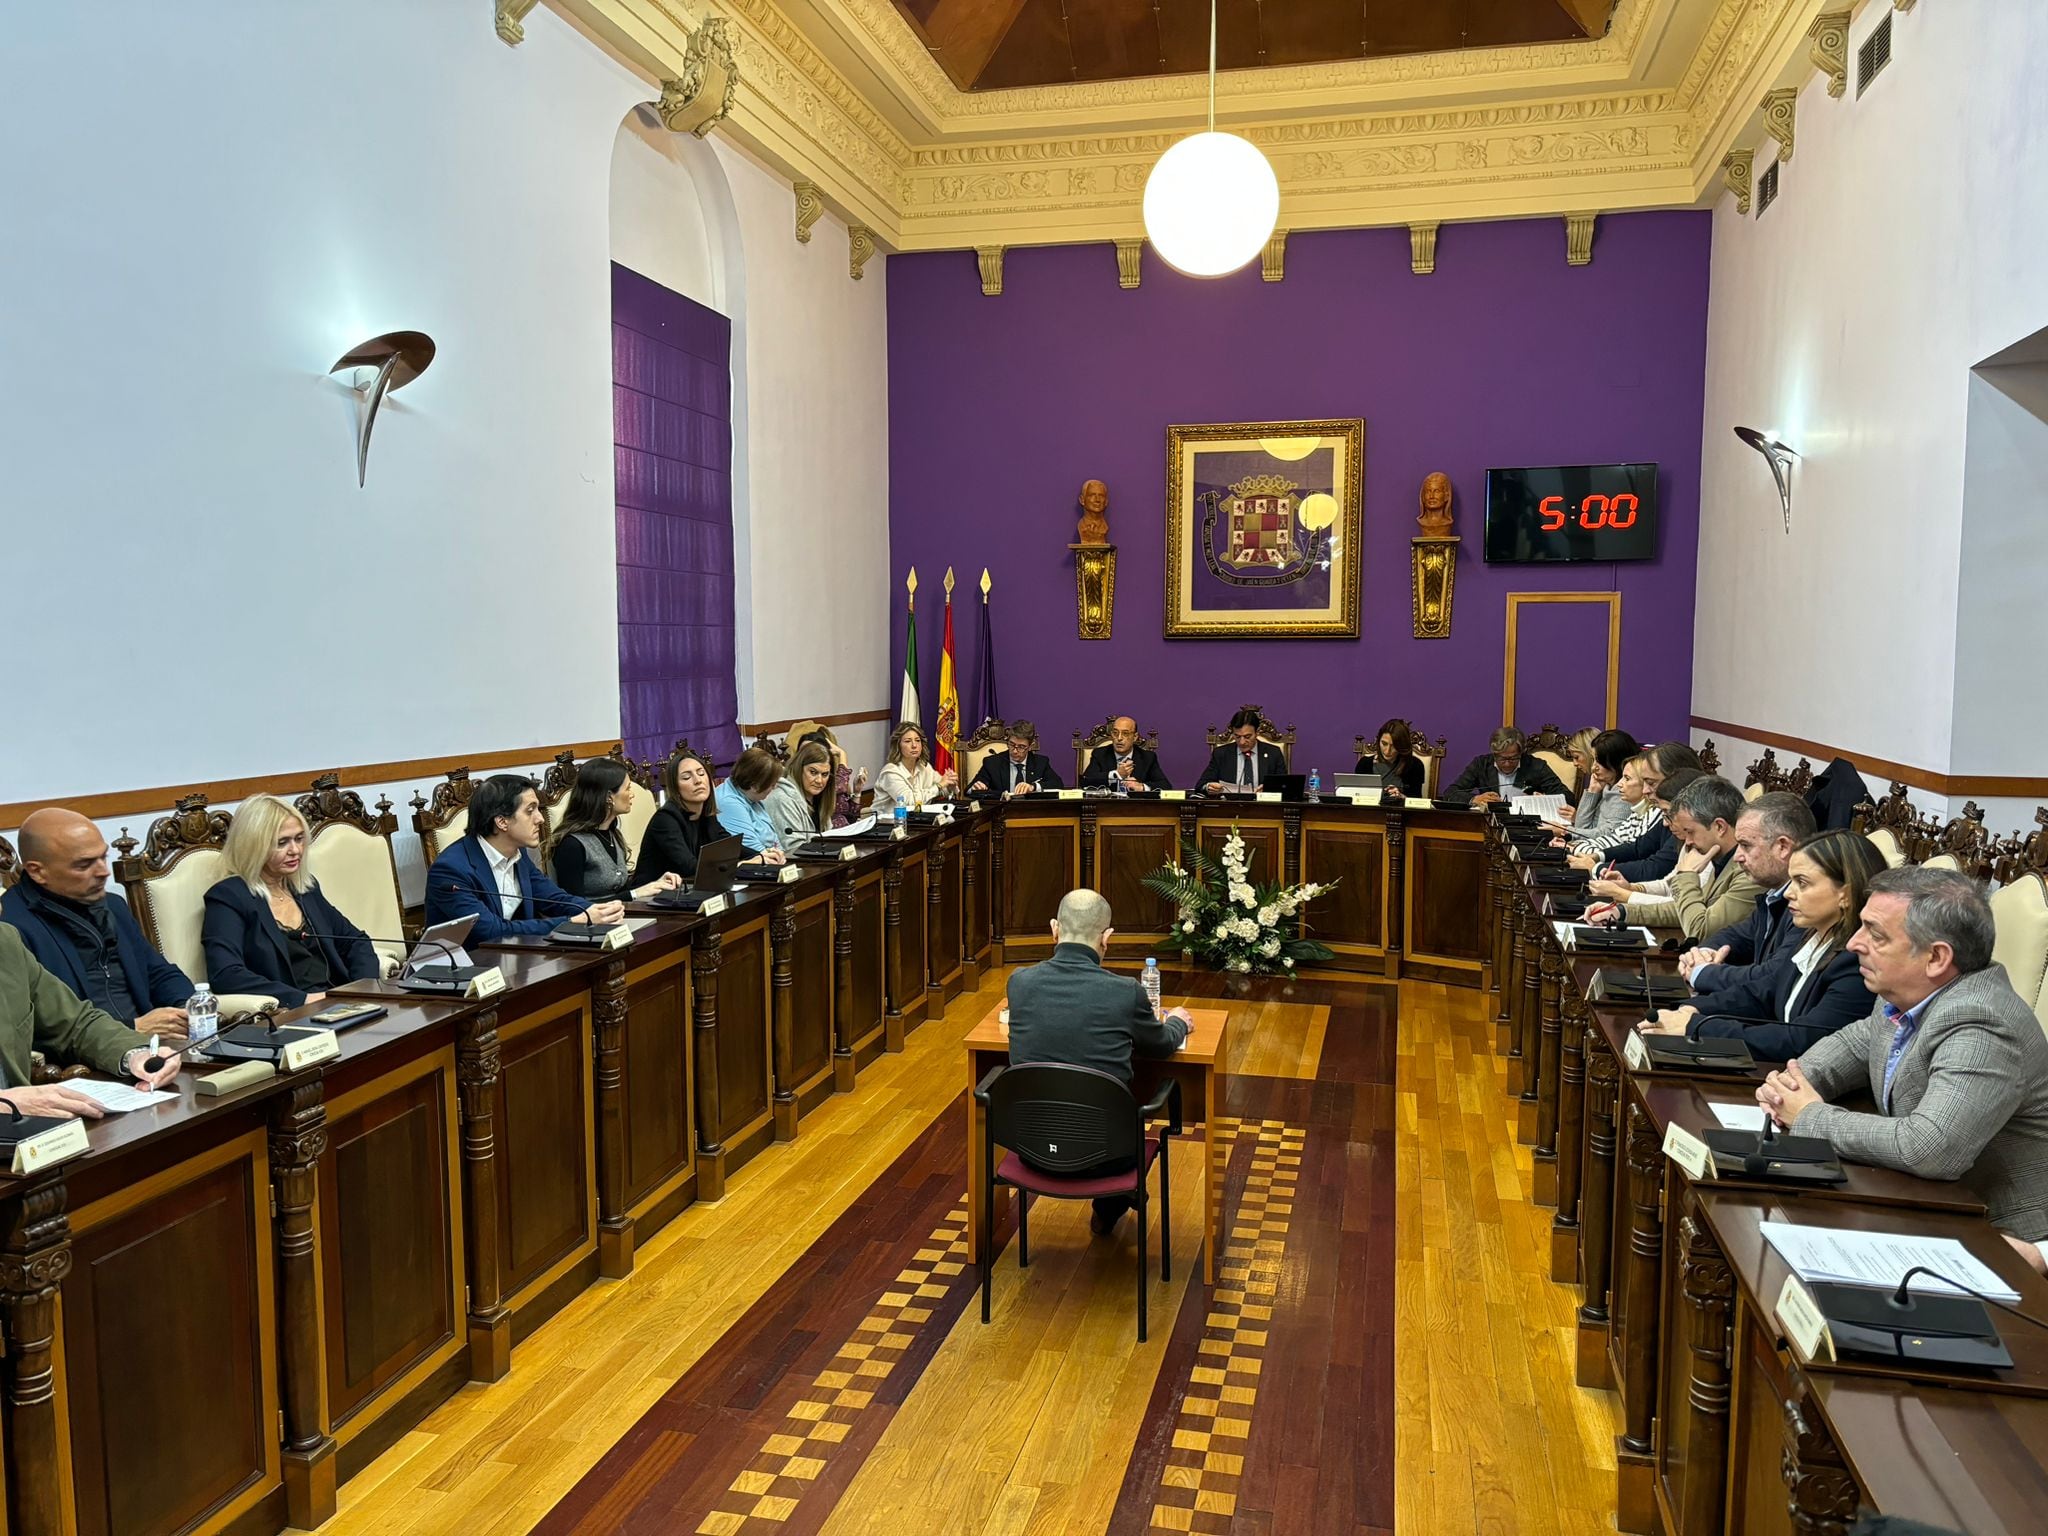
(802, 802)
(908, 778)
(268, 928)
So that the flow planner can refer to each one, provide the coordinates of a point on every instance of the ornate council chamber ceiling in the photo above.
(997, 44)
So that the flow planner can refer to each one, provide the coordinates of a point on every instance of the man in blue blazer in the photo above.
(490, 874)
(85, 936)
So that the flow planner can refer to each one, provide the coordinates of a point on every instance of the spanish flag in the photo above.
(946, 734)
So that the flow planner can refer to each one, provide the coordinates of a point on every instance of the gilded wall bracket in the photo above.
(860, 245)
(512, 20)
(1094, 588)
(1781, 109)
(1829, 36)
(1273, 264)
(1739, 168)
(1578, 238)
(1129, 262)
(1422, 248)
(810, 205)
(1435, 554)
(699, 99)
(990, 259)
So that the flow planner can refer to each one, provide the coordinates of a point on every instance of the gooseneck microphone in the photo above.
(1903, 1300)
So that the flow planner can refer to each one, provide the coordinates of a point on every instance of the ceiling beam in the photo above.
(964, 34)
(1591, 15)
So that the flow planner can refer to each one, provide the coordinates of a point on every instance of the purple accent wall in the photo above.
(672, 467)
(1000, 407)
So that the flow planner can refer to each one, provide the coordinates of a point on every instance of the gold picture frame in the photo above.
(1264, 530)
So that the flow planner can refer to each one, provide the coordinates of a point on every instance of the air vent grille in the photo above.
(1874, 53)
(1767, 189)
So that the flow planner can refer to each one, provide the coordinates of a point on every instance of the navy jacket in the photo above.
(152, 980)
(993, 776)
(1222, 765)
(1649, 857)
(245, 947)
(1835, 998)
(1144, 763)
(461, 885)
(1532, 777)
(1767, 934)
(1069, 1009)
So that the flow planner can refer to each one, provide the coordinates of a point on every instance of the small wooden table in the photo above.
(1198, 1064)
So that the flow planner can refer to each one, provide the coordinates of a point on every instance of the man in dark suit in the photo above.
(1020, 771)
(1766, 832)
(1506, 769)
(1069, 1009)
(1244, 762)
(490, 874)
(1123, 759)
(84, 936)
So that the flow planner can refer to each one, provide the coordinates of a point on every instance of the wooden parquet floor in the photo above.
(807, 1355)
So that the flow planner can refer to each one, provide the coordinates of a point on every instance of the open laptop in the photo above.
(1379, 781)
(1288, 786)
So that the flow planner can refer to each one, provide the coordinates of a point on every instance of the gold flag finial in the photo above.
(985, 583)
(949, 583)
(910, 586)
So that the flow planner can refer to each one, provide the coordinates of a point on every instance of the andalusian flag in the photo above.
(909, 708)
(947, 731)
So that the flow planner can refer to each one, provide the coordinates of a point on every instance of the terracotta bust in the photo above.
(1094, 508)
(1435, 517)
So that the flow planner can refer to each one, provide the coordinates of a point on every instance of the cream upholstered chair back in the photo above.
(166, 885)
(633, 825)
(1946, 861)
(2020, 910)
(443, 820)
(1754, 790)
(1886, 842)
(1566, 770)
(555, 785)
(348, 850)
(990, 736)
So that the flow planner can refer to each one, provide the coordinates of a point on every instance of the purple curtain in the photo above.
(672, 458)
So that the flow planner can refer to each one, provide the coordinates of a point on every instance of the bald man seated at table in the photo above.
(1123, 760)
(84, 934)
(1954, 1057)
(39, 1013)
(1068, 1009)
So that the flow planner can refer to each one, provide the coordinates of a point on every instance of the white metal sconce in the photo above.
(398, 357)
(1780, 458)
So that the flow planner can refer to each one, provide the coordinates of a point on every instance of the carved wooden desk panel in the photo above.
(1443, 890)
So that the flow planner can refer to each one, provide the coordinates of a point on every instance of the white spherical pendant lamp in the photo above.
(1210, 204)
(1212, 200)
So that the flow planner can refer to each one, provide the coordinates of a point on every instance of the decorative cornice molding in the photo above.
(990, 259)
(1578, 238)
(860, 245)
(1129, 262)
(1739, 168)
(1422, 248)
(809, 205)
(511, 18)
(1829, 35)
(1781, 109)
(1902, 5)
(1273, 260)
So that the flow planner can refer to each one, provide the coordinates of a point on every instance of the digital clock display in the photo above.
(1595, 512)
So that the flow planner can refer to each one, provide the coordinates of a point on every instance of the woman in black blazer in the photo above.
(268, 928)
(686, 821)
(1787, 1006)
(1395, 759)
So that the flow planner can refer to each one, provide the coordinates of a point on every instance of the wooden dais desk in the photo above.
(1198, 1064)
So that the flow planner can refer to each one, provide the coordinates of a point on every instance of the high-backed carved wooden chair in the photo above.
(1886, 823)
(10, 865)
(1268, 732)
(561, 778)
(1965, 845)
(1710, 757)
(2020, 909)
(1549, 745)
(1429, 751)
(1764, 775)
(443, 820)
(555, 785)
(775, 746)
(1085, 743)
(166, 885)
(348, 851)
(990, 736)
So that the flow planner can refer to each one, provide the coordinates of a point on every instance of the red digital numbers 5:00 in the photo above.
(1594, 512)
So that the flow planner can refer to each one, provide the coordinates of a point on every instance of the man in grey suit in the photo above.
(1069, 1009)
(1953, 1055)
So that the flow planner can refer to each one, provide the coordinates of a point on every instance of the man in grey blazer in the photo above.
(1954, 1057)
(1068, 1009)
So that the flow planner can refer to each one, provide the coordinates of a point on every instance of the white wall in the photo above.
(1905, 247)
(215, 209)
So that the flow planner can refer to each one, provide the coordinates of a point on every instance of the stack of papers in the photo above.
(852, 829)
(1880, 1258)
(1740, 1117)
(118, 1098)
(1546, 806)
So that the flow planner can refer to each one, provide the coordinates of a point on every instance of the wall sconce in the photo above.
(398, 357)
(1780, 458)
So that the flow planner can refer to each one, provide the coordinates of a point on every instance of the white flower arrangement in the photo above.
(1228, 921)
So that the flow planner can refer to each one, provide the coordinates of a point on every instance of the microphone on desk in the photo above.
(1903, 1299)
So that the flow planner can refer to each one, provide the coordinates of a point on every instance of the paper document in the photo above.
(1880, 1258)
(852, 828)
(1740, 1117)
(636, 924)
(118, 1097)
(1546, 806)
(1570, 940)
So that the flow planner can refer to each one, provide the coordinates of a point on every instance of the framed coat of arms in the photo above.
(1263, 524)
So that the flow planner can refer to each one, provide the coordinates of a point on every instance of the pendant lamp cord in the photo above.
(1212, 66)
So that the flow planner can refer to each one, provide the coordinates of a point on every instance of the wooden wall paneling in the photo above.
(744, 1034)
(1355, 852)
(141, 1458)
(1265, 838)
(1040, 861)
(390, 1183)
(659, 1169)
(546, 1159)
(812, 996)
(1444, 897)
(1129, 846)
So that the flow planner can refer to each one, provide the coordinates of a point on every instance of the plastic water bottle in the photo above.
(202, 1019)
(902, 814)
(1121, 786)
(1315, 783)
(1151, 983)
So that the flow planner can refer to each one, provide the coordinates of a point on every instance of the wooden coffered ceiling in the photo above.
(1452, 115)
(987, 45)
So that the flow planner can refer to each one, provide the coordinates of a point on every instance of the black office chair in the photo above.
(1058, 1121)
